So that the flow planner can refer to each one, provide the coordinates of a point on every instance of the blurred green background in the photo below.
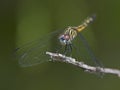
(24, 20)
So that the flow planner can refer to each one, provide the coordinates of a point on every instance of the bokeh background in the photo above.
(24, 20)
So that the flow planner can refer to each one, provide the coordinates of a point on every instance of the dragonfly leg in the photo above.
(65, 50)
(59, 49)
(68, 49)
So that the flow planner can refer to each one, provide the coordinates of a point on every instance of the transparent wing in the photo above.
(33, 53)
(84, 51)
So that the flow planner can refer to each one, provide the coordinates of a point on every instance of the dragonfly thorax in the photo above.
(67, 37)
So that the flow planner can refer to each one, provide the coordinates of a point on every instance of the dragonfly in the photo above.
(66, 42)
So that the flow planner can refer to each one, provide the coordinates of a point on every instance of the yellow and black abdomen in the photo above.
(85, 23)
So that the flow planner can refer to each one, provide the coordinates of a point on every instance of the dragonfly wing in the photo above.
(90, 52)
(33, 53)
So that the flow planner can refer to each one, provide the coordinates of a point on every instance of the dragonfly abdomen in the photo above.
(85, 23)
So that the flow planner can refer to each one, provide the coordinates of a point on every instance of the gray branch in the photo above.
(88, 68)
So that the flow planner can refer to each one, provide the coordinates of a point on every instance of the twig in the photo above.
(88, 68)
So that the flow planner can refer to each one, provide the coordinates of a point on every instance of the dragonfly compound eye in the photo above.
(63, 39)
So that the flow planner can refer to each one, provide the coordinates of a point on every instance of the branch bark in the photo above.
(82, 65)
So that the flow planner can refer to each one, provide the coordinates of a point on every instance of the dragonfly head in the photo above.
(64, 39)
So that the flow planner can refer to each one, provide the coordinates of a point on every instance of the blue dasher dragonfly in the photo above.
(69, 42)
